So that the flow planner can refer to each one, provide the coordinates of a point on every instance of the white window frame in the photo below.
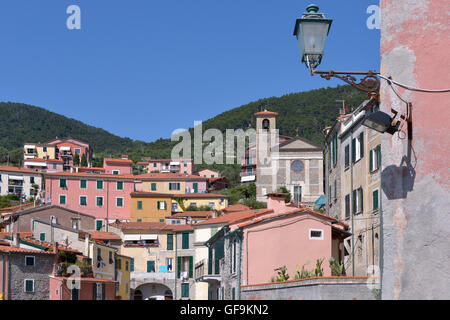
(65, 200)
(123, 203)
(118, 172)
(164, 205)
(103, 201)
(29, 265)
(357, 148)
(79, 151)
(25, 285)
(315, 238)
(86, 184)
(123, 186)
(358, 200)
(103, 184)
(79, 201)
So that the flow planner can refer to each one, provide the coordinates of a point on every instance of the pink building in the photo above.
(104, 289)
(118, 166)
(104, 196)
(207, 173)
(168, 165)
(44, 165)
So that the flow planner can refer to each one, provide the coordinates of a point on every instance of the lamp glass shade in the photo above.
(378, 121)
(380, 127)
(311, 35)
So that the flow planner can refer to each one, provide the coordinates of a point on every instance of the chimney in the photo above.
(15, 240)
(56, 259)
(275, 201)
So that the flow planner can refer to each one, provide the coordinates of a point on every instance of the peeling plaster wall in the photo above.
(415, 181)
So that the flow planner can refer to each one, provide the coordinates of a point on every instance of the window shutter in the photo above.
(42, 237)
(361, 143)
(132, 265)
(353, 150)
(354, 201)
(170, 242)
(378, 156)
(375, 200)
(347, 155)
(361, 197)
(178, 267)
(185, 240)
(329, 156)
(191, 267)
(335, 189)
(371, 161)
(94, 291)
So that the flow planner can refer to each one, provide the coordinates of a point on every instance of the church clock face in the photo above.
(297, 166)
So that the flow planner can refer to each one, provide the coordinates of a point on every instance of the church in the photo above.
(294, 163)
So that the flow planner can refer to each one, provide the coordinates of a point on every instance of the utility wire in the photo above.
(412, 88)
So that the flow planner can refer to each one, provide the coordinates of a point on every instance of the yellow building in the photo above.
(123, 269)
(41, 151)
(103, 260)
(214, 201)
(150, 206)
(173, 183)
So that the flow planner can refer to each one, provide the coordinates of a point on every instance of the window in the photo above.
(98, 224)
(139, 205)
(62, 183)
(153, 186)
(62, 199)
(211, 205)
(265, 124)
(76, 224)
(42, 236)
(347, 156)
(53, 220)
(161, 205)
(99, 185)
(29, 260)
(297, 194)
(83, 184)
(161, 220)
(335, 190)
(31, 179)
(150, 266)
(99, 201)
(119, 185)
(29, 285)
(347, 206)
(83, 201)
(139, 220)
(116, 172)
(334, 149)
(375, 200)
(375, 158)
(169, 263)
(119, 202)
(154, 164)
(185, 164)
(99, 254)
(170, 242)
(193, 204)
(75, 294)
(185, 241)
(77, 151)
(132, 265)
(174, 186)
(44, 149)
(234, 257)
(357, 201)
(185, 290)
(126, 265)
(329, 195)
(54, 166)
(111, 261)
(315, 234)
(358, 147)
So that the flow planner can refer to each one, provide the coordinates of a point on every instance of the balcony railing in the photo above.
(201, 269)
(247, 173)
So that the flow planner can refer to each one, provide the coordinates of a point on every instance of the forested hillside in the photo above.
(309, 111)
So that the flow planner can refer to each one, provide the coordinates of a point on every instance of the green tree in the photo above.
(285, 190)
(76, 160)
(83, 160)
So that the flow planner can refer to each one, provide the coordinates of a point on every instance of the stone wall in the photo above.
(348, 288)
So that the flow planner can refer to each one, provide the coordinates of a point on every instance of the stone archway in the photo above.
(153, 291)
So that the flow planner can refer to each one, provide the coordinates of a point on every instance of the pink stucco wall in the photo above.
(160, 163)
(86, 290)
(273, 244)
(109, 193)
(201, 186)
(207, 173)
(123, 168)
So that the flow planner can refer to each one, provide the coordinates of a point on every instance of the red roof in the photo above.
(265, 113)
(20, 250)
(161, 226)
(235, 217)
(125, 161)
(236, 207)
(150, 194)
(102, 235)
(192, 214)
(15, 209)
(15, 169)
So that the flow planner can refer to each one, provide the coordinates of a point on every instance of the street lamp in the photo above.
(381, 122)
(311, 31)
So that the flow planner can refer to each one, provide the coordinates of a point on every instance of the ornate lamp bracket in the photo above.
(368, 82)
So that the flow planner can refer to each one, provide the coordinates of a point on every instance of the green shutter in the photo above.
(153, 186)
(178, 186)
(371, 161)
(178, 267)
(210, 261)
(139, 205)
(353, 150)
(119, 185)
(42, 236)
(375, 200)
(191, 267)
(378, 156)
(151, 266)
(75, 294)
(335, 189)
(170, 242)
(362, 199)
(94, 291)
(132, 265)
(99, 184)
(62, 183)
(361, 143)
(82, 184)
(185, 290)
(99, 224)
(195, 187)
(170, 187)
(354, 201)
(185, 240)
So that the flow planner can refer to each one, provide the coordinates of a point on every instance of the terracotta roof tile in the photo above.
(20, 250)
(234, 217)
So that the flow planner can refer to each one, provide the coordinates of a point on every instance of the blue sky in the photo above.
(143, 68)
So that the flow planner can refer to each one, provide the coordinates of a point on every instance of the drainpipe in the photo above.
(107, 204)
(351, 203)
(381, 262)
(175, 264)
(240, 236)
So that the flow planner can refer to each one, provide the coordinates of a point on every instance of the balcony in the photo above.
(201, 273)
(248, 173)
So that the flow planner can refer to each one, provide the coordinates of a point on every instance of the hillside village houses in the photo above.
(136, 236)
